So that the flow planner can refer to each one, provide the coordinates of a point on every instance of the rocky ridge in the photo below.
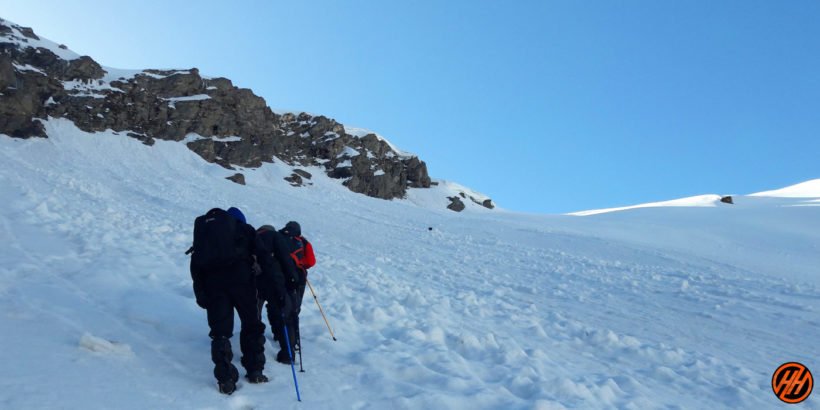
(222, 123)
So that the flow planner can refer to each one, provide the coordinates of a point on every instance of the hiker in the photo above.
(221, 269)
(276, 247)
(301, 253)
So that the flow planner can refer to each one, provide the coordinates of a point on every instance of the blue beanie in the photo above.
(237, 214)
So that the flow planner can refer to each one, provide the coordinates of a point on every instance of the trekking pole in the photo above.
(299, 343)
(290, 354)
(315, 299)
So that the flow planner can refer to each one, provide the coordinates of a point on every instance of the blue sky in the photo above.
(545, 106)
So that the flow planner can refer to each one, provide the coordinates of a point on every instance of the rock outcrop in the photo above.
(222, 123)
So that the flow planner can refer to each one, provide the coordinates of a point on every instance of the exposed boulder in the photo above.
(482, 201)
(294, 180)
(416, 171)
(299, 177)
(727, 200)
(83, 68)
(455, 204)
(28, 32)
(304, 174)
(238, 178)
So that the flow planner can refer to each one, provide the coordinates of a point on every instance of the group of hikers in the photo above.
(234, 266)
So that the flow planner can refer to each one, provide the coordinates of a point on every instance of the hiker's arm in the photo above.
(199, 285)
(291, 276)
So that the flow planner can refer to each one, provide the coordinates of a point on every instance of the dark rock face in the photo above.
(24, 93)
(223, 124)
(727, 200)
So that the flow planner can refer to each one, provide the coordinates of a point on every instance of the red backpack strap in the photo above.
(303, 256)
(298, 253)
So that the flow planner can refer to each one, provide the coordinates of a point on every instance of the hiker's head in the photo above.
(237, 214)
(292, 228)
(264, 228)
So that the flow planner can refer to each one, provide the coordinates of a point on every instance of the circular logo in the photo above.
(792, 382)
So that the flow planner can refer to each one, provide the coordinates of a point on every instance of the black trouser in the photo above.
(277, 323)
(221, 304)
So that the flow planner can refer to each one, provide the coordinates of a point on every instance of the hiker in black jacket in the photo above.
(276, 248)
(226, 282)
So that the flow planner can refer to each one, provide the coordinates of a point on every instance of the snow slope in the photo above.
(671, 307)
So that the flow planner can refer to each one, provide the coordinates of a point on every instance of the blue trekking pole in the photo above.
(290, 355)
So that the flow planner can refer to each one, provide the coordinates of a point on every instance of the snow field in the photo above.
(651, 308)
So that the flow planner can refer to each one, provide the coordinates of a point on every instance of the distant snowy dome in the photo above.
(692, 201)
(808, 189)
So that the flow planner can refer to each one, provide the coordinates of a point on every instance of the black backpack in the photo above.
(219, 240)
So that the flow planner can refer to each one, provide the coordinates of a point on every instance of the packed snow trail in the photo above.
(651, 308)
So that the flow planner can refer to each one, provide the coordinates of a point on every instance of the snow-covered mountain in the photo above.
(667, 307)
(655, 307)
(224, 124)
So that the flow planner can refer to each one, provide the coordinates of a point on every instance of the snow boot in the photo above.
(256, 377)
(227, 387)
(282, 357)
(225, 372)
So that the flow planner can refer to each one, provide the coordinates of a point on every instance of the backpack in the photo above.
(219, 241)
(302, 253)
